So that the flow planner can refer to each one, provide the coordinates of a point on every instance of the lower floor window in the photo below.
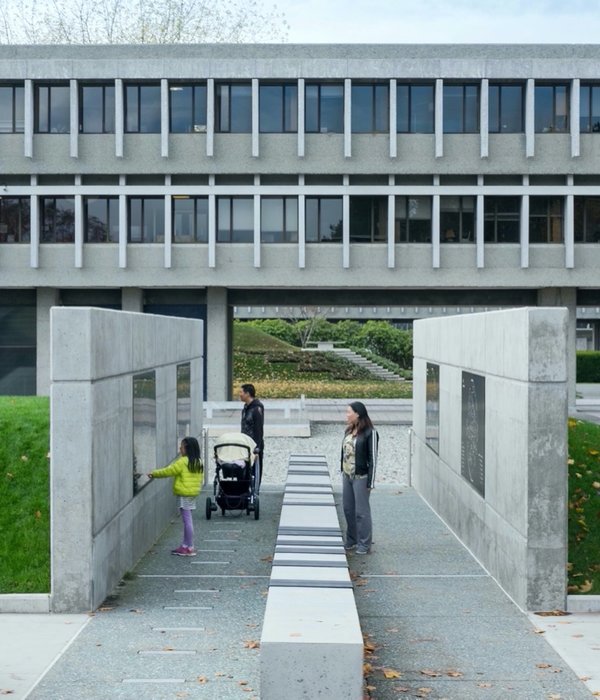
(413, 219)
(502, 219)
(368, 219)
(101, 219)
(587, 219)
(235, 219)
(279, 219)
(457, 219)
(190, 219)
(324, 219)
(146, 220)
(14, 219)
(546, 220)
(57, 216)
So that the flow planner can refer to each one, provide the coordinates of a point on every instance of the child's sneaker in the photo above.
(181, 551)
(191, 552)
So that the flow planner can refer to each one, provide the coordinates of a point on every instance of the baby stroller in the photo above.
(236, 476)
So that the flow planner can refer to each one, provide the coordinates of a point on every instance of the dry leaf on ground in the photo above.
(391, 673)
(251, 644)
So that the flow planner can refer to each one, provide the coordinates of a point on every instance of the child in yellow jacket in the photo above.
(188, 473)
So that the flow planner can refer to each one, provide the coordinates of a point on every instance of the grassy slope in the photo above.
(24, 495)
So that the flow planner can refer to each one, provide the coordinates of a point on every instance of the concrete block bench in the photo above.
(311, 639)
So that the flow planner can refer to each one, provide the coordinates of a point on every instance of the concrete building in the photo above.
(187, 180)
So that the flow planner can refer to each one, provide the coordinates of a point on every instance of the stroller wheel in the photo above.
(223, 512)
(256, 508)
(208, 508)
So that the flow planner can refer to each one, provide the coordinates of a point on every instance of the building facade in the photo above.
(189, 180)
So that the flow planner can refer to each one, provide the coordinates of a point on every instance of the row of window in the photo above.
(278, 108)
(279, 219)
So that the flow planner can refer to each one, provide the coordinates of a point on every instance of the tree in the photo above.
(305, 323)
(139, 21)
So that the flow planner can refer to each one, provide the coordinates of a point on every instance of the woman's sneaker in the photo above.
(184, 551)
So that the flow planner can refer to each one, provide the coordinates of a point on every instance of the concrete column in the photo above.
(439, 118)
(168, 229)
(479, 231)
(347, 118)
(255, 117)
(78, 230)
(119, 118)
(132, 299)
(391, 231)
(524, 231)
(569, 224)
(300, 117)
(346, 231)
(393, 119)
(34, 230)
(484, 118)
(435, 231)
(28, 117)
(567, 297)
(46, 298)
(575, 84)
(530, 118)
(301, 226)
(257, 230)
(164, 118)
(210, 117)
(218, 344)
(74, 119)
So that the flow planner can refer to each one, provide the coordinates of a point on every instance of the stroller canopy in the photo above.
(231, 447)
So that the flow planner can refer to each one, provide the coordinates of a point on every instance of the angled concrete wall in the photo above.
(99, 527)
(518, 528)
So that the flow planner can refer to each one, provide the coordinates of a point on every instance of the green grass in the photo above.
(584, 507)
(24, 495)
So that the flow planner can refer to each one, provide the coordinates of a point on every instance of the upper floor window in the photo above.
(142, 109)
(97, 109)
(146, 219)
(413, 219)
(279, 219)
(190, 219)
(234, 108)
(370, 108)
(505, 109)
(546, 219)
(235, 219)
(589, 108)
(551, 108)
(368, 219)
(187, 108)
(101, 217)
(324, 107)
(324, 219)
(14, 219)
(57, 217)
(415, 109)
(52, 111)
(502, 216)
(457, 219)
(278, 108)
(587, 219)
(12, 109)
(461, 109)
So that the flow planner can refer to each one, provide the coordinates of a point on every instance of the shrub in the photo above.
(588, 366)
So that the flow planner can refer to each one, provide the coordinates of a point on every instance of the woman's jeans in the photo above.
(355, 498)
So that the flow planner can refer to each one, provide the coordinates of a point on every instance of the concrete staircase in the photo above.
(371, 367)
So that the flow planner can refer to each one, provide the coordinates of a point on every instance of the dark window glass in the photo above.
(502, 216)
(587, 219)
(413, 219)
(17, 348)
(551, 108)
(234, 108)
(97, 109)
(324, 219)
(589, 108)
(457, 219)
(142, 109)
(14, 219)
(101, 217)
(235, 219)
(52, 109)
(57, 216)
(370, 109)
(415, 109)
(279, 219)
(546, 220)
(506, 108)
(146, 219)
(324, 108)
(278, 108)
(368, 219)
(461, 109)
(187, 108)
(11, 109)
(190, 219)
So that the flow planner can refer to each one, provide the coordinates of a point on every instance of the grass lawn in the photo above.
(24, 495)
(584, 507)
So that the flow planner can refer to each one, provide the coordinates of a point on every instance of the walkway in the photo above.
(187, 628)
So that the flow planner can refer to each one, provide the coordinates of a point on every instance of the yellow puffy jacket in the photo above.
(185, 483)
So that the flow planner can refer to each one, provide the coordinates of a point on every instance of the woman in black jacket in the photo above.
(358, 464)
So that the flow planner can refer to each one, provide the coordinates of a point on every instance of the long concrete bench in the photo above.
(311, 644)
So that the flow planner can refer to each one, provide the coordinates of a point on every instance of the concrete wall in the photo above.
(518, 530)
(99, 528)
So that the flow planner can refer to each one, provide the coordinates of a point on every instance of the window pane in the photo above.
(382, 108)
(135, 220)
(312, 219)
(360, 219)
(562, 110)
(131, 108)
(202, 219)
(544, 108)
(471, 109)
(109, 109)
(494, 109)
(14, 220)
(223, 107)
(59, 110)
(271, 108)
(241, 109)
(332, 109)
(92, 110)
(291, 218)
(330, 225)
(402, 109)
(6, 110)
(19, 109)
(291, 108)
(453, 109)
(419, 219)
(512, 109)
(113, 219)
(223, 219)
(149, 109)
(595, 116)
(422, 109)
(311, 107)
(42, 108)
(96, 225)
(183, 220)
(362, 109)
(243, 220)
(584, 108)
(154, 220)
(181, 106)
(199, 108)
(271, 220)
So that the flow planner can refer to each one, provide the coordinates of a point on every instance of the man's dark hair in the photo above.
(249, 389)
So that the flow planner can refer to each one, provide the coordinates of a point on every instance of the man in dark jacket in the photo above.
(253, 419)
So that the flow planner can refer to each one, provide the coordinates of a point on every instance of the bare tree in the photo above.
(139, 21)
(306, 321)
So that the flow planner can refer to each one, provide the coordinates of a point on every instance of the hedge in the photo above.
(588, 366)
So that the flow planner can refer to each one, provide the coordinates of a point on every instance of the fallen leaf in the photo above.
(136, 610)
(248, 690)
(269, 558)
(106, 608)
(367, 669)
(202, 679)
(37, 514)
(543, 665)
(393, 629)
(596, 484)
(552, 613)
(243, 682)
(454, 674)
(251, 644)
(401, 688)
(585, 678)
(586, 587)
(539, 631)
(6, 692)
(24, 458)
(577, 636)
(9, 476)
(424, 692)
(430, 674)
(391, 673)
(168, 649)
(554, 696)
(371, 688)
(220, 675)
(484, 685)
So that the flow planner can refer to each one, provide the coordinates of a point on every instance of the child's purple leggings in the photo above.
(188, 527)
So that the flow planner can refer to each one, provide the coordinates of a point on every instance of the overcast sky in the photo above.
(442, 21)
